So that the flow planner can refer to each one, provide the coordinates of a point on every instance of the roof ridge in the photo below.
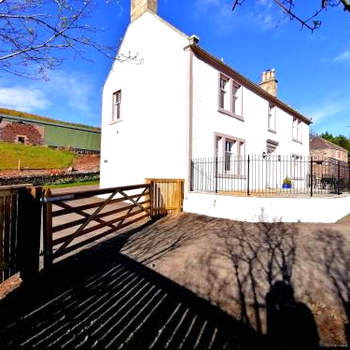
(333, 144)
(26, 115)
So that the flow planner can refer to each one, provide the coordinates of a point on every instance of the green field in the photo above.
(74, 184)
(32, 157)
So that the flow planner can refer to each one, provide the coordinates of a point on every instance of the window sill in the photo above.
(115, 122)
(297, 141)
(230, 114)
(273, 131)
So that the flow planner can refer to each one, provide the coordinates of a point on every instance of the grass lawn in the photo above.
(75, 184)
(32, 157)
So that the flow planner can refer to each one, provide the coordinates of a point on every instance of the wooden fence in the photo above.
(166, 196)
(71, 222)
(19, 230)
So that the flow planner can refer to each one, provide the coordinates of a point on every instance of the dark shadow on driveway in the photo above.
(102, 299)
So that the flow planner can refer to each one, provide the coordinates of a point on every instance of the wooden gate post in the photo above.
(151, 198)
(29, 227)
(47, 229)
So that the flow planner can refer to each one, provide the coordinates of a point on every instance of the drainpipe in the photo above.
(189, 120)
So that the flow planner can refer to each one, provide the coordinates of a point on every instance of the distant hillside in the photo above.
(33, 157)
(15, 113)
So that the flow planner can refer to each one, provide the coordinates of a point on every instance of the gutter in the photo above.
(218, 64)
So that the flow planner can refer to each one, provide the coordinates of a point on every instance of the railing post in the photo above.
(47, 229)
(312, 177)
(248, 177)
(338, 182)
(216, 174)
(191, 175)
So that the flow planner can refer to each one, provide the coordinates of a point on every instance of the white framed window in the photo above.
(224, 97)
(230, 153)
(271, 118)
(235, 98)
(297, 167)
(297, 130)
(116, 110)
(230, 97)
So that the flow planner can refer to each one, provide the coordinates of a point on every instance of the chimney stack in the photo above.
(139, 7)
(269, 82)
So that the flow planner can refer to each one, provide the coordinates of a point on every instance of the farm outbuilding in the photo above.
(31, 129)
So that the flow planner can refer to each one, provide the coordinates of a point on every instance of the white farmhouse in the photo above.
(176, 103)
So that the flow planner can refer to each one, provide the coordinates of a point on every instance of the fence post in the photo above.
(179, 195)
(248, 178)
(312, 177)
(29, 229)
(47, 229)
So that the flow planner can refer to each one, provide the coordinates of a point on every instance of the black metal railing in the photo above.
(270, 175)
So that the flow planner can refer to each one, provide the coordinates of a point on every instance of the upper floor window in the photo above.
(297, 130)
(117, 99)
(224, 101)
(230, 97)
(272, 118)
(235, 98)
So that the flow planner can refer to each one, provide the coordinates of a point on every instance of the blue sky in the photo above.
(313, 69)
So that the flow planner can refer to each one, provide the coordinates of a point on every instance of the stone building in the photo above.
(323, 149)
(31, 129)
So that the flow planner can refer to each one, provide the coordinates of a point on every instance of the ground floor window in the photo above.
(230, 153)
(297, 167)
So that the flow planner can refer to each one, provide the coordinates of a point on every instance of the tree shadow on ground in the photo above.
(332, 253)
(102, 299)
(168, 235)
(251, 268)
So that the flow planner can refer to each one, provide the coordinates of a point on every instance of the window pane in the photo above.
(222, 99)
(222, 84)
(229, 146)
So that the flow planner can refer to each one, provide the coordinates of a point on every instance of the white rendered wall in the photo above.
(254, 129)
(256, 209)
(150, 139)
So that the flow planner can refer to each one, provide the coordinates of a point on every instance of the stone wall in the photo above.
(48, 179)
(33, 135)
(330, 153)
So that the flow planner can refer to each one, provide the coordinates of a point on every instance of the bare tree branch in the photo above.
(34, 34)
(311, 22)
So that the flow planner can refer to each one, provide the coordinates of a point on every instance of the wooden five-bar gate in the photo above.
(73, 220)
